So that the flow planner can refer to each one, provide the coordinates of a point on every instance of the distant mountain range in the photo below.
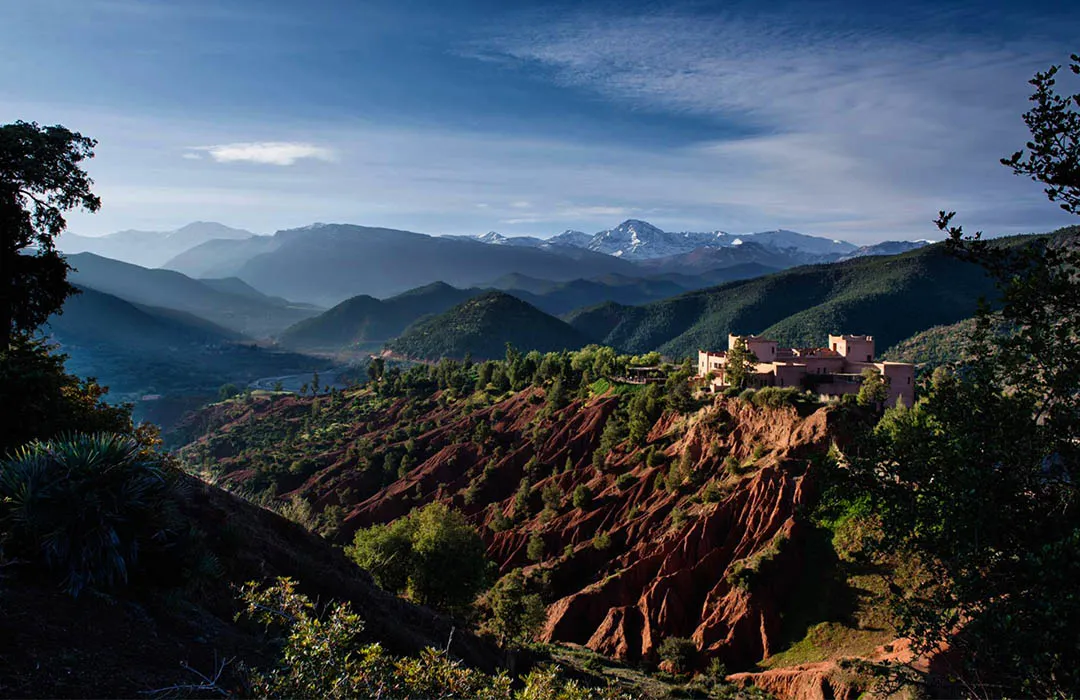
(230, 303)
(149, 248)
(327, 263)
(639, 240)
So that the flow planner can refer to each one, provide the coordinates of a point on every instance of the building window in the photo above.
(868, 357)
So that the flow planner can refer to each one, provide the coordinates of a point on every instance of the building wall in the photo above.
(840, 372)
(857, 348)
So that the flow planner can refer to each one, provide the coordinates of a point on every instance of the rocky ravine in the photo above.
(712, 553)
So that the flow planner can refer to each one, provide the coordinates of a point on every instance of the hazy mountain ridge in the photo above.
(138, 349)
(150, 248)
(328, 263)
(239, 310)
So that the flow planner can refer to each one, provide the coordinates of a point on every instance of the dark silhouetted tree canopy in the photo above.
(40, 179)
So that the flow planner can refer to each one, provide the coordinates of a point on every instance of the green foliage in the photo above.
(582, 497)
(601, 541)
(741, 364)
(227, 391)
(89, 507)
(890, 297)
(482, 326)
(534, 549)
(41, 401)
(552, 496)
(500, 523)
(325, 654)
(678, 517)
(977, 481)
(712, 493)
(625, 481)
(432, 554)
(677, 651)
(745, 573)
(776, 397)
(516, 614)
(874, 390)
(644, 408)
(41, 177)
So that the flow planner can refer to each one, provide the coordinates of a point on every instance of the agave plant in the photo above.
(87, 505)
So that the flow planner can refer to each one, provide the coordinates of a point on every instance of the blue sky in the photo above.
(830, 118)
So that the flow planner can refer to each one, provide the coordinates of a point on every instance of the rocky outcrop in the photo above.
(693, 534)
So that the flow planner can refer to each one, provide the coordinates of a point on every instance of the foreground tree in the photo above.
(40, 179)
(741, 364)
(977, 483)
(432, 554)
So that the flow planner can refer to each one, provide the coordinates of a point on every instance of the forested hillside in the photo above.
(890, 298)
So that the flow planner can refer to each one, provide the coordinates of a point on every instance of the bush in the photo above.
(433, 554)
(677, 651)
(42, 402)
(516, 614)
(712, 493)
(582, 497)
(747, 395)
(535, 547)
(324, 656)
(625, 481)
(775, 397)
(88, 506)
(601, 541)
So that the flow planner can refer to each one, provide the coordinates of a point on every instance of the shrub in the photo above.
(323, 656)
(747, 395)
(500, 523)
(712, 493)
(678, 517)
(88, 506)
(552, 496)
(677, 651)
(516, 614)
(775, 397)
(601, 541)
(433, 554)
(535, 547)
(582, 497)
(625, 481)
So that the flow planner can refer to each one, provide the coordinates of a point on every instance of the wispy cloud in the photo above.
(856, 131)
(266, 152)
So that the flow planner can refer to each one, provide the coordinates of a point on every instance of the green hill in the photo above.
(935, 346)
(482, 326)
(891, 298)
(365, 319)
